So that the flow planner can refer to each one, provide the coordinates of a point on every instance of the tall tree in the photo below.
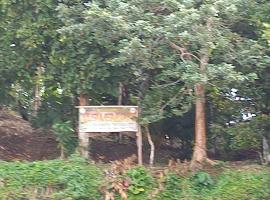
(28, 29)
(182, 47)
(202, 35)
(84, 51)
(169, 55)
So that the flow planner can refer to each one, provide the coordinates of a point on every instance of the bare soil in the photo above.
(19, 141)
(107, 151)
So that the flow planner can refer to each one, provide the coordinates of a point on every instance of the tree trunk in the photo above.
(120, 100)
(83, 137)
(139, 145)
(152, 146)
(266, 151)
(62, 152)
(199, 152)
(83, 100)
(120, 94)
(37, 100)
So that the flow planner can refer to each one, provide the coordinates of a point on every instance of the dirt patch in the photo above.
(107, 151)
(19, 141)
(12, 125)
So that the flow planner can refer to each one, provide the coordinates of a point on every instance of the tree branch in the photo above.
(183, 52)
(167, 84)
(182, 91)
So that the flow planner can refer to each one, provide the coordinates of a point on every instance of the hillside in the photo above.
(19, 141)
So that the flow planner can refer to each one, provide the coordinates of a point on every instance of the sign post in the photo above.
(108, 119)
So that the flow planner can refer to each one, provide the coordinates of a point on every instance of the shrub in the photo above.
(229, 185)
(65, 137)
(57, 179)
(172, 189)
(237, 185)
(77, 179)
(202, 180)
(141, 185)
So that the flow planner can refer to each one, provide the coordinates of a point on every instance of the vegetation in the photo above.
(76, 178)
(228, 185)
(169, 57)
(56, 179)
(197, 69)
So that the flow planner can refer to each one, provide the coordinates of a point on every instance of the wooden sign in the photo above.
(108, 119)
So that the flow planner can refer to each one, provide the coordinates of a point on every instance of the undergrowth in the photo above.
(74, 178)
(229, 185)
(78, 179)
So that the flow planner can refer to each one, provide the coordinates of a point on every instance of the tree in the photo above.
(204, 33)
(258, 15)
(198, 33)
(184, 46)
(169, 55)
(27, 34)
(83, 53)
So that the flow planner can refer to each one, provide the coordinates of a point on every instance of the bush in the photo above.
(237, 185)
(173, 189)
(77, 179)
(202, 180)
(65, 137)
(57, 179)
(141, 183)
(230, 185)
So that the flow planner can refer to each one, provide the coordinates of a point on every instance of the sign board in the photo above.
(108, 118)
